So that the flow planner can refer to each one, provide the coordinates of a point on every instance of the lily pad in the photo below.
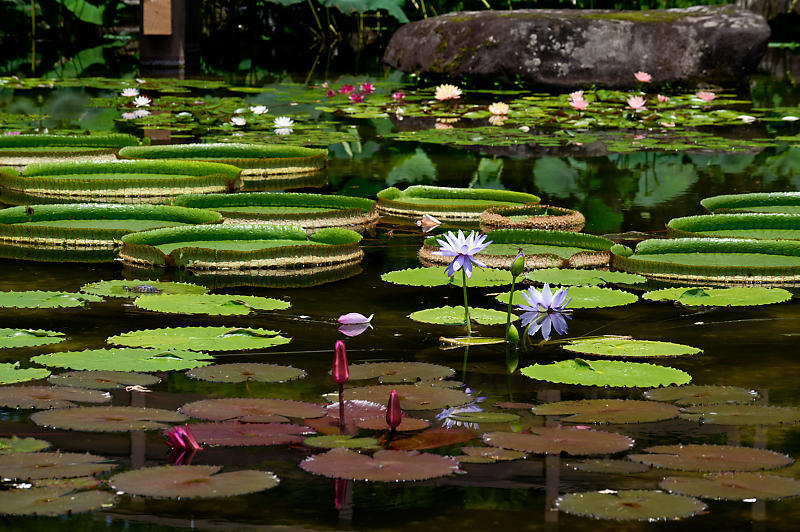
(333, 441)
(34, 466)
(28, 337)
(607, 373)
(215, 305)
(484, 417)
(45, 299)
(447, 203)
(567, 277)
(625, 347)
(455, 316)
(607, 466)
(629, 505)
(107, 418)
(117, 288)
(720, 297)
(251, 410)
(432, 439)
(246, 434)
(493, 453)
(73, 483)
(470, 340)
(398, 372)
(554, 440)
(701, 395)
(125, 359)
(584, 297)
(608, 411)
(52, 501)
(741, 414)
(40, 397)
(734, 486)
(481, 277)
(407, 424)
(11, 373)
(412, 397)
(15, 445)
(243, 372)
(201, 338)
(711, 458)
(103, 380)
(383, 466)
(191, 482)
(779, 226)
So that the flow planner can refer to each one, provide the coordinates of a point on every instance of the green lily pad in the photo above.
(216, 305)
(103, 380)
(191, 482)
(11, 373)
(201, 338)
(246, 434)
(28, 337)
(15, 445)
(383, 466)
(608, 411)
(243, 372)
(484, 417)
(334, 441)
(481, 277)
(607, 373)
(564, 277)
(721, 297)
(702, 395)
(107, 418)
(626, 347)
(584, 297)
(251, 410)
(34, 466)
(455, 316)
(629, 505)
(45, 299)
(555, 440)
(471, 340)
(53, 501)
(41, 397)
(734, 486)
(116, 288)
(125, 359)
(399, 372)
(741, 414)
(412, 397)
(740, 225)
(607, 466)
(774, 202)
(695, 457)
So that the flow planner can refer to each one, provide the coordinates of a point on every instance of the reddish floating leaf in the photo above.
(734, 486)
(555, 440)
(52, 501)
(691, 394)
(412, 397)
(191, 482)
(741, 414)
(711, 458)
(103, 380)
(432, 438)
(34, 466)
(74, 483)
(383, 466)
(407, 424)
(107, 418)
(493, 453)
(629, 505)
(399, 372)
(40, 397)
(243, 372)
(251, 410)
(240, 434)
(608, 411)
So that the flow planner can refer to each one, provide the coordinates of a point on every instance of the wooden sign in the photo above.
(157, 17)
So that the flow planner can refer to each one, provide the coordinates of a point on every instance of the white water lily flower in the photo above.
(239, 111)
(284, 131)
(141, 101)
(238, 121)
(184, 113)
(747, 119)
(128, 116)
(141, 113)
(130, 92)
(283, 122)
(447, 92)
(499, 108)
(790, 118)
(258, 109)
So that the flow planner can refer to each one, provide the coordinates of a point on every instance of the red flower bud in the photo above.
(340, 371)
(393, 413)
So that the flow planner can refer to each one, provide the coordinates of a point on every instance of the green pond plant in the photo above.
(740, 225)
(447, 203)
(532, 217)
(21, 150)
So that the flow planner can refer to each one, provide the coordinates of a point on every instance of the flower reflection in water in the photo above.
(445, 416)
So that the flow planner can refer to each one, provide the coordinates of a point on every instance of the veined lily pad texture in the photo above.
(773, 202)
(543, 249)
(435, 276)
(739, 296)
(191, 482)
(116, 181)
(21, 150)
(213, 304)
(243, 372)
(383, 466)
(309, 211)
(629, 348)
(107, 418)
(573, 277)
(755, 225)
(629, 505)
(718, 260)
(447, 203)
(607, 373)
(10, 338)
(245, 247)
(166, 359)
(532, 217)
(199, 339)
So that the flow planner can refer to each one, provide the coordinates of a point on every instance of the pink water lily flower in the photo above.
(706, 96)
(346, 89)
(356, 97)
(397, 96)
(428, 223)
(661, 98)
(577, 101)
(354, 317)
(330, 93)
(181, 437)
(637, 103)
(644, 77)
(366, 88)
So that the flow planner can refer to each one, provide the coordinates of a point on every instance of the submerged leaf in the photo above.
(702, 394)
(103, 380)
(191, 482)
(383, 466)
(607, 466)
(741, 414)
(734, 486)
(398, 372)
(107, 418)
(629, 505)
(607, 373)
(52, 501)
(555, 440)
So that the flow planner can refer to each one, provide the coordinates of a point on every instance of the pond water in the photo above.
(618, 190)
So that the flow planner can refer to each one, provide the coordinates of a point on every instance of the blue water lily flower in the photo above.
(545, 311)
(462, 249)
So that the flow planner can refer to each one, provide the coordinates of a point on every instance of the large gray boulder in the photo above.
(568, 48)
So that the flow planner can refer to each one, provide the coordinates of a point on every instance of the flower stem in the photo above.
(508, 312)
(341, 408)
(466, 306)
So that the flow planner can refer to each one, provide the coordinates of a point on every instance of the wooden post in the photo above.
(162, 41)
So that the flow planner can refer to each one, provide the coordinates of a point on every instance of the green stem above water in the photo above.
(466, 306)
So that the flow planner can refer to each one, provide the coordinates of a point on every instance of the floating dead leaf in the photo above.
(243, 372)
(741, 414)
(399, 372)
(412, 397)
(608, 411)
(629, 505)
(240, 434)
(107, 418)
(383, 466)
(251, 410)
(15, 445)
(191, 482)
(695, 457)
(34, 466)
(40, 397)
(555, 440)
(432, 438)
(494, 453)
(607, 466)
(734, 486)
(103, 380)
(691, 394)
(407, 424)
(52, 501)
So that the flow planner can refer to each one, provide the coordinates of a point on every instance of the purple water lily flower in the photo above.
(546, 300)
(462, 249)
(545, 311)
(448, 422)
(354, 329)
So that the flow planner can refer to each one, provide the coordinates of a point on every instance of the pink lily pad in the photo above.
(34, 466)
(608, 411)
(107, 418)
(493, 453)
(412, 397)
(432, 438)
(244, 372)
(734, 486)
(399, 372)
(52, 501)
(191, 482)
(711, 458)
(383, 466)
(251, 410)
(40, 397)
(407, 424)
(555, 440)
(240, 434)
(103, 380)
(690, 395)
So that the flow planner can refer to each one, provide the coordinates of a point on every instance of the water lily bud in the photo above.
(393, 413)
(513, 335)
(340, 371)
(518, 266)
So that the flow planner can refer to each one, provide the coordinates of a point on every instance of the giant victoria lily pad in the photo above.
(49, 396)
(557, 276)
(125, 359)
(246, 434)
(11, 373)
(213, 304)
(554, 440)
(15, 445)
(749, 225)
(606, 373)
(532, 217)
(201, 338)
(626, 347)
(711, 458)
(448, 315)
(107, 418)
(583, 297)
(629, 505)
(399, 372)
(45, 299)
(34, 466)
(437, 277)
(20, 150)
(702, 395)
(251, 410)
(739, 296)
(244, 371)
(770, 202)
(608, 411)
(741, 414)
(130, 289)
(52, 501)
(383, 466)
(447, 203)
(28, 337)
(191, 482)
(412, 397)
(734, 486)
(103, 380)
